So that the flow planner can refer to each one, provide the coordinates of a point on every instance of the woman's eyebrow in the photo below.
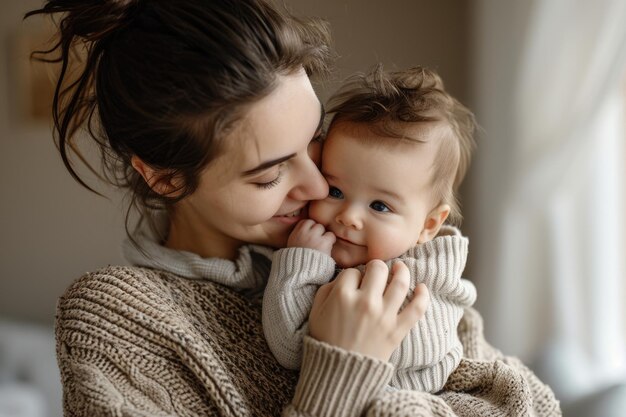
(266, 165)
(269, 164)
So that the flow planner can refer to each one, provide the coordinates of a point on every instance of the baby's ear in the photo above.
(161, 182)
(433, 222)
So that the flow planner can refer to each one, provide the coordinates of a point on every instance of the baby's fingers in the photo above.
(330, 237)
(304, 225)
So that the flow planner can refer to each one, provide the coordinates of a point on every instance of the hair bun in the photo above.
(91, 20)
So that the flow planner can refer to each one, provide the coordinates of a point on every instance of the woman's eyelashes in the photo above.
(270, 184)
(265, 185)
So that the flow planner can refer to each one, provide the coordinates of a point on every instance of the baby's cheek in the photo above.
(388, 245)
(319, 211)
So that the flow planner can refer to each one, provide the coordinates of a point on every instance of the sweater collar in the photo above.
(248, 271)
(445, 255)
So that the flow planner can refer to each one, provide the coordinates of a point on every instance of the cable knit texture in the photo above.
(431, 350)
(139, 342)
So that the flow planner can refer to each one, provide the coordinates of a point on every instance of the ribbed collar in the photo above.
(446, 254)
(248, 271)
(443, 257)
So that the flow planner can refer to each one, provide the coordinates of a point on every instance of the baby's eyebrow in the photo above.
(389, 193)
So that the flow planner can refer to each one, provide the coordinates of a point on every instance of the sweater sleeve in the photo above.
(337, 383)
(295, 277)
(486, 383)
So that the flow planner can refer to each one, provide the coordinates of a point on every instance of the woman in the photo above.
(204, 111)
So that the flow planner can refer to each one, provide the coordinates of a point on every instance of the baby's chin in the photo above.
(344, 265)
(345, 259)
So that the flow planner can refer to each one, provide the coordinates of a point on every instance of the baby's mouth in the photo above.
(346, 241)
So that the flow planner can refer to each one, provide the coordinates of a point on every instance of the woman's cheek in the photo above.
(257, 206)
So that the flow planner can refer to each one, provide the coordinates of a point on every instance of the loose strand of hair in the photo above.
(73, 114)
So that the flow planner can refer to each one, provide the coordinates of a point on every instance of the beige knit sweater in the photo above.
(135, 341)
(431, 350)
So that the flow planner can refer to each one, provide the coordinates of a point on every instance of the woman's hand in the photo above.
(360, 313)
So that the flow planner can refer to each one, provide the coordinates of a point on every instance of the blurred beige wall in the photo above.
(53, 230)
(398, 33)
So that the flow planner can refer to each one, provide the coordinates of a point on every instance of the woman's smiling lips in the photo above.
(291, 217)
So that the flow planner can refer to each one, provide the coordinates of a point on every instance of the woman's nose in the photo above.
(349, 216)
(311, 184)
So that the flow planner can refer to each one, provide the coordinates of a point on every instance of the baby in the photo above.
(396, 151)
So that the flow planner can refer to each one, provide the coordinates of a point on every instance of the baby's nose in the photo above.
(350, 217)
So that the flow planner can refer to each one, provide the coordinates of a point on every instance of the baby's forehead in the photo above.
(366, 156)
(389, 133)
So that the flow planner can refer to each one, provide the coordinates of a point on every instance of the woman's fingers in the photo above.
(415, 309)
(348, 280)
(375, 278)
(398, 287)
(360, 313)
(322, 293)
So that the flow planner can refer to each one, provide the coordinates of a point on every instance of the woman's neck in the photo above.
(193, 236)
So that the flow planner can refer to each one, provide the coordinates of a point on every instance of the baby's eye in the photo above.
(379, 206)
(334, 192)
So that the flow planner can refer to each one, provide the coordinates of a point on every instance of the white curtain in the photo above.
(551, 187)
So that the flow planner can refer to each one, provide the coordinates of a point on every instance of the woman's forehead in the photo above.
(277, 126)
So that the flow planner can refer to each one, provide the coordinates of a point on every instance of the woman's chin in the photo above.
(274, 235)
(279, 241)
(278, 228)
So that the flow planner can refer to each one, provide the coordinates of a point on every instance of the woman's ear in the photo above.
(433, 223)
(160, 181)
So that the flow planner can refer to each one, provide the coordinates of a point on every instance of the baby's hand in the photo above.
(312, 235)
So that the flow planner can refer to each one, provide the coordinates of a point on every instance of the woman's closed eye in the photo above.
(269, 184)
(334, 192)
(380, 206)
(272, 182)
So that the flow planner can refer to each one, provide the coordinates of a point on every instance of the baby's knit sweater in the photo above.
(431, 350)
(182, 336)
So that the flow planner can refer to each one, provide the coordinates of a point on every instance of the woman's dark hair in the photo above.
(164, 80)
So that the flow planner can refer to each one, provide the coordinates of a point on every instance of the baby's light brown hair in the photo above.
(391, 103)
